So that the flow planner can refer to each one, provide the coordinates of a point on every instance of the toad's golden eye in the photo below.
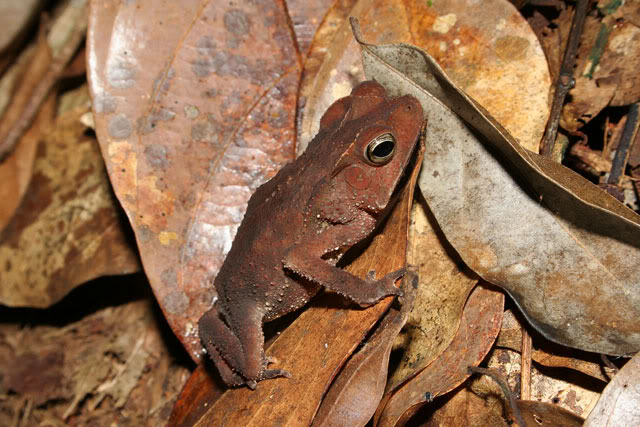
(381, 149)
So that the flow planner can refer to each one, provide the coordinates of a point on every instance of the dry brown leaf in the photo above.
(478, 330)
(195, 108)
(306, 17)
(624, 46)
(440, 301)
(603, 78)
(331, 70)
(354, 396)
(463, 408)
(68, 228)
(314, 348)
(571, 390)
(15, 171)
(106, 340)
(593, 89)
(546, 414)
(66, 34)
(562, 248)
(199, 392)
(629, 10)
(549, 354)
(619, 404)
(489, 51)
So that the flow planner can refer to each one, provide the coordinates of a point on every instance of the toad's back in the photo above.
(275, 220)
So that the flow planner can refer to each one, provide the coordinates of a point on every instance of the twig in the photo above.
(609, 363)
(27, 413)
(508, 394)
(624, 146)
(525, 366)
(565, 80)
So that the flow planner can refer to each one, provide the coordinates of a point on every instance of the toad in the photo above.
(299, 224)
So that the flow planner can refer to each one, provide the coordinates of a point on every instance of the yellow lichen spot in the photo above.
(157, 202)
(166, 237)
(123, 168)
(444, 23)
(119, 151)
(191, 111)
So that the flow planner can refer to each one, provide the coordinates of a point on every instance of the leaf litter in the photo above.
(440, 336)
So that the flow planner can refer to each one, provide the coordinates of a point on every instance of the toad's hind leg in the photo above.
(251, 339)
(219, 340)
(242, 351)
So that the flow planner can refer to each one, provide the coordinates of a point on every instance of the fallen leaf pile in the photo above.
(132, 135)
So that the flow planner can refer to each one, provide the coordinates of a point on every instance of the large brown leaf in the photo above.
(489, 51)
(195, 106)
(306, 17)
(562, 248)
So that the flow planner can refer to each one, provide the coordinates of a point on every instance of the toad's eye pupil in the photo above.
(381, 149)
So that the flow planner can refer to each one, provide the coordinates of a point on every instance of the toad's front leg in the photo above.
(306, 260)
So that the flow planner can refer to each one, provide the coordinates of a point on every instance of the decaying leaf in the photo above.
(594, 86)
(317, 344)
(90, 362)
(566, 388)
(16, 169)
(353, 397)
(562, 248)
(66, 34)
(478, 330)
(624, 47)
(67, 229)
(464, 408)
(550, 354)
(547, 415)
(189, 129)
(441, 298)
(619, 404)
(489, 51)
(606, 64)
(306, 17)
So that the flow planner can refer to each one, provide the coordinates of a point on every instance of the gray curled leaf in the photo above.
(567, 252)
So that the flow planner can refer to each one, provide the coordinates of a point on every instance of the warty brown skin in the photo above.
(327, 200)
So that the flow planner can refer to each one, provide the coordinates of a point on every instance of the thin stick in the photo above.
(525, 366)
(565, 80)
(609, 364)
(624, 146)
